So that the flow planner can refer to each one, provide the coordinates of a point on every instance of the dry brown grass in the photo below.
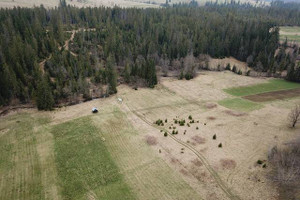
(210, 105)
(228, 164)
(211, 118)
(151, 140)
(235, 113)
(197, 162)
(198, 139)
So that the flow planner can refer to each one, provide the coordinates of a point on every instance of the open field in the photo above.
(272, 85)
(291, 33)
(119, 153)
(240, 104)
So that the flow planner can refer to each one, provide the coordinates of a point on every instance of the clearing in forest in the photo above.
(291, 33)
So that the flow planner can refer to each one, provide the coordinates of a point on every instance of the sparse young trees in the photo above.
(294, 116)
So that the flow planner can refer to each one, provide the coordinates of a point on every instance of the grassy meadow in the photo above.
(272, 85)
(291, 33)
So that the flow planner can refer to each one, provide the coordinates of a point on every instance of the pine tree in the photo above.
(127, 73)
(111, 74)
(44, 98)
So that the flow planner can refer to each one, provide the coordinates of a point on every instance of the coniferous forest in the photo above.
(64, 54)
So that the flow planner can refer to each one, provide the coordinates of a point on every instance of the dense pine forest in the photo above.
(69, 54)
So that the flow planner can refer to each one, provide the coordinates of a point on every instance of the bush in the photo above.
(197, 128)
(188, 124)
(181, 122)
(190, 117)
(188, 76)
(264, 166)
(166, 120)
(159, 122)
(240, 72)
(228, 67)
(234, 70)
(173, 132)
(259, 162)
(220, 145)
(214, 137)
(165, 134)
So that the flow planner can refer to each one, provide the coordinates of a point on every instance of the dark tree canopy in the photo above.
(33, 45)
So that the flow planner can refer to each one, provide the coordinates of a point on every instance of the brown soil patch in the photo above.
(210, 105)
(270, 96)
(198, 139)
(151, 140)
(184, 172)
(235, 113)
(211, 118)
(228, 163)
(197, 162)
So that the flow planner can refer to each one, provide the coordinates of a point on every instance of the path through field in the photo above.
(217, 178)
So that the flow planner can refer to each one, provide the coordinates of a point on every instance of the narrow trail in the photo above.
(65, 46)
(42, 64)
(205, 162)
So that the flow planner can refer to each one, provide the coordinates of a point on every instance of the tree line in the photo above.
(115, 45)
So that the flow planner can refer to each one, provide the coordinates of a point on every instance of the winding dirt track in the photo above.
(205, 162)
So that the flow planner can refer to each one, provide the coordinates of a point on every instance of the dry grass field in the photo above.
(120, 153)
(292, 34)
(97, 3)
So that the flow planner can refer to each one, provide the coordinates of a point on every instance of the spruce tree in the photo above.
(44, 98)
(111, 75)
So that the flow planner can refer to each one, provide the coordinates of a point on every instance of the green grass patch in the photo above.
(272, 85)
(20, 168)
(84, 164)
(240, 104)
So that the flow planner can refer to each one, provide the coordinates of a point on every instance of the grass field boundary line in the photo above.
(215, 175)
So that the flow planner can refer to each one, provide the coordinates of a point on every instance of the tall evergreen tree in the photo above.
(44, 99)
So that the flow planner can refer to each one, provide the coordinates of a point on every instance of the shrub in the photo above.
(184, 132)
(259, 162)
(214, 137)
(188, 76)
(240, 72)
(181, 76)
(181, 122)
(188, 124)
(176, 132)
(228, 67)
(234, 70)
(264, 166)
(173, 132)
(175, 121)
(159, 122)
(190, 117)
(165, 134)
(220, 145)
(166, 120)
(197, 128)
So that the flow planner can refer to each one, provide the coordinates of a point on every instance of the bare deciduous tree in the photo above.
(294, 115)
